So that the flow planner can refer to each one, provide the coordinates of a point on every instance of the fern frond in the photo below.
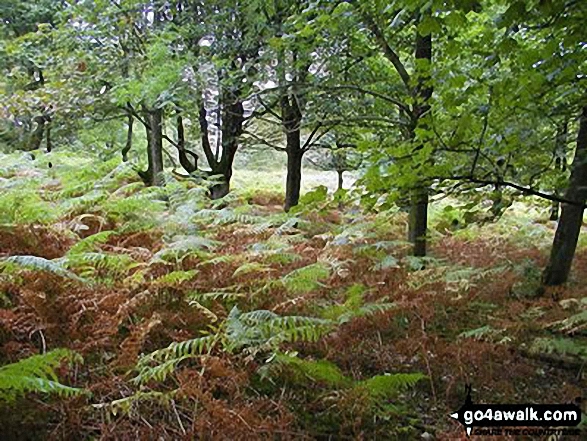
(572, 325)
(251, 267)
(257, 230)
(265, 330)
(194, 347)
(288, 226)
(222, 259)
(184, 246)
(160, 364)
(126, 405)
(386, 263)
(317, 371)
(111, 264)
(366, 310)
(160, 372)
(89, 243)
(207, 312)
(34, 263)
(214, 296)
(307, 278)
(175, 278)
(483, 333)
(560, 346)
(281, 257)
(37, 374)
(387, 386)
(226, 216)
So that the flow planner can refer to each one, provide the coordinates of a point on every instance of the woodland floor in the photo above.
(470, 316)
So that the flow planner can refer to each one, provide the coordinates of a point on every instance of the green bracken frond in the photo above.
(160, 364)
(388, 385)
(251, 267)
(90, 243)
(565, 347)
(319, 371)
(183, 246)
(307, 278)
(37, 374)
(175, 278)
(265, 330)
(34, 263)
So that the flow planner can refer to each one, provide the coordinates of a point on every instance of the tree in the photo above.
(223, 39)
(418, 92)
(337, 152)
(571, 219)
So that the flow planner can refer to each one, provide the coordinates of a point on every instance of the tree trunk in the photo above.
(128, 144)
(232, 127)
(497, 207)
(340, 179)
(418, 219)
(48, 138)
(37, 136)
(188, 165)
(571, 219)
(153, 176)
(293, 180)
(291, 118)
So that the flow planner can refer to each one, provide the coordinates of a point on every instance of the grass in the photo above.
(275, 179)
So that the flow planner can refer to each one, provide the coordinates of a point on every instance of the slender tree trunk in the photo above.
(217, 191)
(204, 136)
(497, 207)
(291, 115)
(180, 133)
(153, 176)
(188, 165)
(560, 163)
(340, 179)
(293, 179)
(128, 144)
(37, 135)
(418, 219)
(48, 138)
(232, 127)
(571, 219)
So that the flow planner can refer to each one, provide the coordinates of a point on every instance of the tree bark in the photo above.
(231, 130)
(291, 115)
(153, 175)
(571, 219)
(128, 144)
(418, 219)
(48, 138)
(232, 127)
(294, 174)
(340, 179)
(188, 165)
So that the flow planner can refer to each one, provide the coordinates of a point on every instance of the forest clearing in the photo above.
(293, 220)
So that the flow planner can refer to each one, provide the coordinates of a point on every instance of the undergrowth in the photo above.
(233, 320)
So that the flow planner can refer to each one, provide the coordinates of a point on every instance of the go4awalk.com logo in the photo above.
(518, 419)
